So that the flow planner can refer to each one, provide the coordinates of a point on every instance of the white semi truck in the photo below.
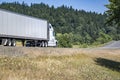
(30, 30)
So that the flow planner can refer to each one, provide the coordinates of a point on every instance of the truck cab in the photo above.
(52, 40)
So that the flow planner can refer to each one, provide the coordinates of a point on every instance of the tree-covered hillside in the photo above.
(72, 27)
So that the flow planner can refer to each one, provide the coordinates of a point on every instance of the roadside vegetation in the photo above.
(77, 66)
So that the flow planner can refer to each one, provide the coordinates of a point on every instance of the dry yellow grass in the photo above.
(19, 43)
(60, 64)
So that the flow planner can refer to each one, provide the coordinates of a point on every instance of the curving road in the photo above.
(112, 44)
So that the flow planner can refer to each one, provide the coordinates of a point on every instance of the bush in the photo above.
(64, 40)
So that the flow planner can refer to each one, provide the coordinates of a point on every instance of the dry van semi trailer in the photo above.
(30, 30)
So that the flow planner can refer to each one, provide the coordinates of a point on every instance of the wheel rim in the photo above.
(9, 43)
(13, 42)
(46, 45)
(42, 44)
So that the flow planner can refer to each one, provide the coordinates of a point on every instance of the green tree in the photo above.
(103, 38)
(113, 11)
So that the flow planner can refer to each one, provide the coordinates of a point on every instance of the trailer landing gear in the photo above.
(23, 43)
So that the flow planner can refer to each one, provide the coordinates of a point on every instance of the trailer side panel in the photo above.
(21, 26)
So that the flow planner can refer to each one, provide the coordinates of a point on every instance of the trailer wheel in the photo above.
(28, 44)
(4, 42)
(9, 42)
(38, 44)
(0, 41)
(13, 42)
(46, 44)
(42, 44)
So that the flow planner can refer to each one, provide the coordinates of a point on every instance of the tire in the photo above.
(45, 44)
(42, 44)
(13, 43)
(0, 41)
(9, 43)
(28, 44)
(38, 44)
(4, 42)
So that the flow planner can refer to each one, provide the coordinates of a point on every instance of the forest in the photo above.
(72, 26)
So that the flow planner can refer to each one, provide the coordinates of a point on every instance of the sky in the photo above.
(87, 5)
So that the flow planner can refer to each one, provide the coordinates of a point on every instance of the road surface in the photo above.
(112, 44)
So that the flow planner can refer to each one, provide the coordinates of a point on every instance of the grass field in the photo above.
(81, 65)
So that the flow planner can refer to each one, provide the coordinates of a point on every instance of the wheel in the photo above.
(0, 41)
(4, 42)
(38, 44)
(46, 44)
(28, 44)
(13, 42)
(9, 42)
(42, 44)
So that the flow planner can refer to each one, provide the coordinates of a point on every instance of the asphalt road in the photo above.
(113, 44)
